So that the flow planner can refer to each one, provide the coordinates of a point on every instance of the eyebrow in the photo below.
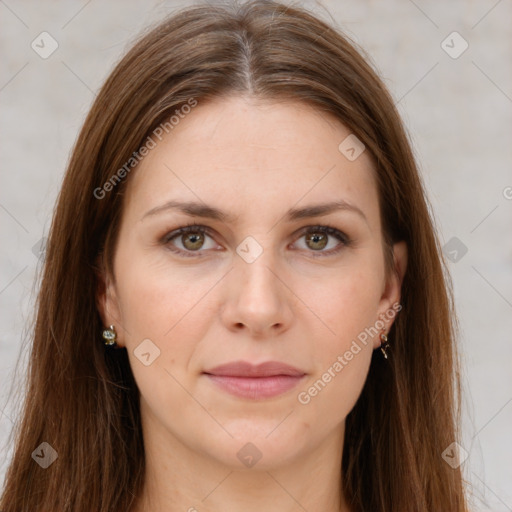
(203, 210)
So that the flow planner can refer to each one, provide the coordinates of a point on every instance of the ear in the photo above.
(390, 298)
(106, 299)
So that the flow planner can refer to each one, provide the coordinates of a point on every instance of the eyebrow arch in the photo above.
(324, 209)
(198, 209)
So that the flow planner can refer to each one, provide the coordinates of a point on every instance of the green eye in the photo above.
(194, 237)
(317, 238)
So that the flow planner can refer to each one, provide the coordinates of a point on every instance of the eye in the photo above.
(187, 240)
(190, 239)
(317, 239)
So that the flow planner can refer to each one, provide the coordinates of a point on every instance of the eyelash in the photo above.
(194, 228)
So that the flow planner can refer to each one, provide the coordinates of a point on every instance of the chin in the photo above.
(256, 447)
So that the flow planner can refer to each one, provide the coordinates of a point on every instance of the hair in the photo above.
(83, 400)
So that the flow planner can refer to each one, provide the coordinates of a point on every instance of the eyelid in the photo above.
(343, 238)
(186, 228)
(328, 229)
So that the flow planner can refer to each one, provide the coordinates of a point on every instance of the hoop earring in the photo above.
(110, 336)
(384, 345)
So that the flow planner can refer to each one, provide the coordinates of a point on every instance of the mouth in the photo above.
(245, 380)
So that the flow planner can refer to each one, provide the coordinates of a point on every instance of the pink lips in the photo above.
(262, 381)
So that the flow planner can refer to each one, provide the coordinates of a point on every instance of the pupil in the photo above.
(193, 241)
(317, 238)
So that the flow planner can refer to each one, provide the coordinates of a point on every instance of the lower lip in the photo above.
(256, 387)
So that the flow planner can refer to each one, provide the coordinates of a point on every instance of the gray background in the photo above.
(458, 112)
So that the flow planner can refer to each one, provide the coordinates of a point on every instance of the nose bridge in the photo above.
(256, 268)
(259, 300)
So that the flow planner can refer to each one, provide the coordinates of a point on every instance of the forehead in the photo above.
(238, 153)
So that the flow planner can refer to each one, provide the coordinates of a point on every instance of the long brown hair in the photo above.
(84, 401)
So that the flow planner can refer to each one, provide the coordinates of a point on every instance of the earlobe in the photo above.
(106, 301)
(101, 300)
(392, 292)
(108, 308)
(101, 289)
(396, 276)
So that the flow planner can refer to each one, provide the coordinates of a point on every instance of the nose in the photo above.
(258, 299)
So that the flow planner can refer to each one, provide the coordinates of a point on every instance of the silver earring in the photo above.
(110, 336)
(384, 345)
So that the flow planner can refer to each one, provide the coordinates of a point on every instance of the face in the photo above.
(264, 274)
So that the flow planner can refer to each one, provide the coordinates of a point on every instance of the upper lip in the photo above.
(245, 369)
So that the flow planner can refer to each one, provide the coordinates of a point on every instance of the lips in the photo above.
(245, 380)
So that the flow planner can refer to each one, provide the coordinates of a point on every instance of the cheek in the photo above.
(346, 302)
(343, 351)
(171, 310)
(333, 392)
(347, 307)
(168, 308)
(156, 300)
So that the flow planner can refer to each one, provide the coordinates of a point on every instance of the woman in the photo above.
(244, 305)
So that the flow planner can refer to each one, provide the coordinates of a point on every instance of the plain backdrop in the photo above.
(457, 106)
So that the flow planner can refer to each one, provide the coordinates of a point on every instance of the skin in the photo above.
(255, 160)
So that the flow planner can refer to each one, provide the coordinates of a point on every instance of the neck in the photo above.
(182, 479)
